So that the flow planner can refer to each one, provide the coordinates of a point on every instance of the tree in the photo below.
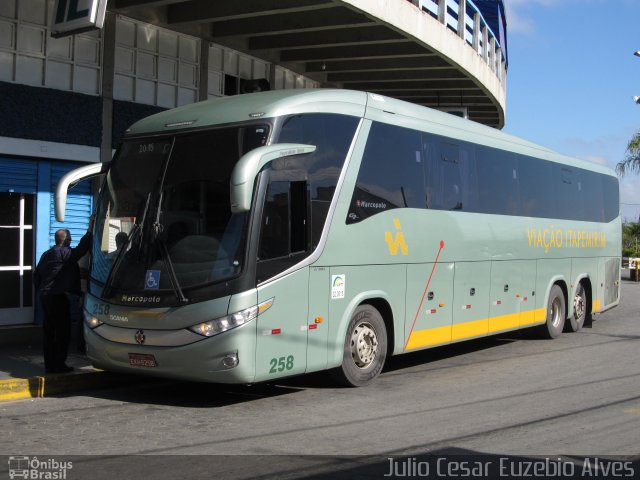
(631, 240)
(631, 163)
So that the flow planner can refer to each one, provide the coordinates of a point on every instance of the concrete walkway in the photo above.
(22, 368)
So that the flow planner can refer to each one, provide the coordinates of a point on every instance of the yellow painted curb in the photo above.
(14, 389)
(41, 386)
(61, 384)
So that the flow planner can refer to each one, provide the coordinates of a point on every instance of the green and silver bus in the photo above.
(249, 238)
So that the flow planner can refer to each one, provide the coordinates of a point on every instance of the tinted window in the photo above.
(497, 182)
(275, 238)
(300, 189)
(165, 206)
(461, 176)
(332, 135)
(391, 174)
(565, 181)
(592, 200)
(444, 183)
(611, 194)
(451, 177)
(536, 194)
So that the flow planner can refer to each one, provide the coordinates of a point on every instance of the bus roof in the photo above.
(253, 106)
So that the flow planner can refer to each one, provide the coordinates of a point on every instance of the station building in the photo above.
(66, 98)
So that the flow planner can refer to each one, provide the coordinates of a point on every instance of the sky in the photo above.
(572, 75)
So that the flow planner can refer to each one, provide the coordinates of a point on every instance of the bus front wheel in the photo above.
(555, 314)
(365, 348)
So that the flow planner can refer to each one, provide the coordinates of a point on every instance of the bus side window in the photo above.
(567, 192)
(391, 173)
(332, 135)
(611, 195)
(274, 235)
(446, 179)
(497, 182)
(284, 230)
(537, 194)
(451, 179)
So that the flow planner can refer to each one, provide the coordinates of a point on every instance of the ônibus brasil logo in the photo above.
(33, 468)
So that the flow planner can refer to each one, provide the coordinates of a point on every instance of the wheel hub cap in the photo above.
(364, 345)
(555, 313)
(579, 306)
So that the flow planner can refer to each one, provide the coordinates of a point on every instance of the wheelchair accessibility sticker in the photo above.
(152, 280)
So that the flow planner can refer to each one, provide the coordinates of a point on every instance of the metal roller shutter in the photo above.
(79, 204)
(20, 176)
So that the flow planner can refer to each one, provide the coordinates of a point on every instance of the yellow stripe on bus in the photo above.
(476, 328)
(596, 306)
(431, 336)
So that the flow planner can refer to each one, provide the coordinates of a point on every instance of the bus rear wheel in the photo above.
(555, 314)
(579, 310)
(365, 348)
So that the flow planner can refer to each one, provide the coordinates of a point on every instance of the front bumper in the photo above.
(200, 361)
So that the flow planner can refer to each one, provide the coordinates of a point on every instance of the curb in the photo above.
(15, 389)
(50, 385)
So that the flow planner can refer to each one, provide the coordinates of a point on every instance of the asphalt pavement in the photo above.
(22, 366)
(568, 403)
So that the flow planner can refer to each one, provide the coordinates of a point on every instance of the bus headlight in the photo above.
(222, 324)
(91, 321)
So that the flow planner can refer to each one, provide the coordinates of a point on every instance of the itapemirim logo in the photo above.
(396, 242)
(21, 466)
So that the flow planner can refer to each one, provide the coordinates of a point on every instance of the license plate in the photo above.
(142, 360)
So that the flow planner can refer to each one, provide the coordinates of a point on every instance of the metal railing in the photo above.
(464, 18)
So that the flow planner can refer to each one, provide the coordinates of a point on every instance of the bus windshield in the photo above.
(164, 222)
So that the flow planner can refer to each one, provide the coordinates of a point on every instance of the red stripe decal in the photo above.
(424, 293)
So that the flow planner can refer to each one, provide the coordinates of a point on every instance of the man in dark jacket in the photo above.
(57, 272)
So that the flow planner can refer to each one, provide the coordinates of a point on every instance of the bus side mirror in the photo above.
(70, 180)
(245, 171)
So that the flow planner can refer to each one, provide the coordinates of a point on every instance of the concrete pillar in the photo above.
(442, 11)
(272, 76)
(492, 53)
(462, 17)
(485, 43)
(477, 33)
(203, 80)
(108, 74)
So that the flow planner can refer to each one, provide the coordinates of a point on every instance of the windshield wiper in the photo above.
(166, 260)
(138, 227)
(106, 290)
(164, 254)
(157, 233)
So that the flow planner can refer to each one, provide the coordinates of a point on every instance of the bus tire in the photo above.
(576, 322)
(555, 314)
(365, 348)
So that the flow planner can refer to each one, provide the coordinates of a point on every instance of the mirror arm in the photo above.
(70, 179)
(245, 171)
